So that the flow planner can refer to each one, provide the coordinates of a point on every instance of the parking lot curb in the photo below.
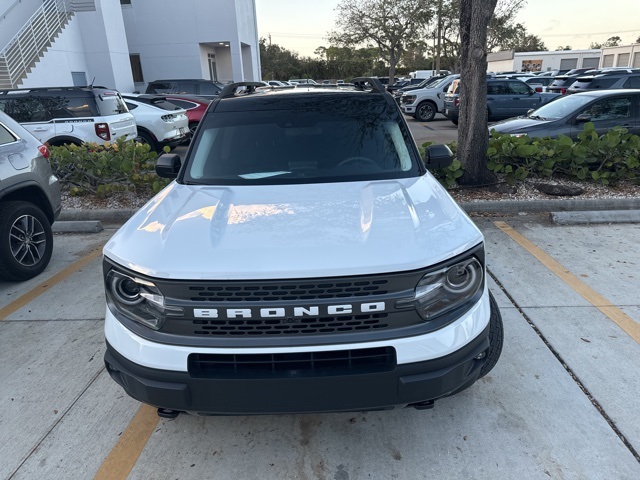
(498, 206)
(602, 216)
(77, 226)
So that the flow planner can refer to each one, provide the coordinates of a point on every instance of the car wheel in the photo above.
(26, 241)
(496, 337)
(146, 139)
(426, 111)
(192, 128)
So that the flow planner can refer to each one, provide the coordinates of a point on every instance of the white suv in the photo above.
(424, 103)
(160, 123)
(61, 115)
(302, 260)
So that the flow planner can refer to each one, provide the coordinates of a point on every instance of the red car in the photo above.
(194, 105)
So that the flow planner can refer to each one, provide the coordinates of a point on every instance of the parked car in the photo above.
(29, 203)
(193, 105)
(568, 114)
(607, 80)
(540, 82)
(397, 94)
(298, 81)
(505, 98)
(424, 103)
(61, 115)
(188, 86)
(288, 297)
(562, 82)
(405, 83)
(160, 123)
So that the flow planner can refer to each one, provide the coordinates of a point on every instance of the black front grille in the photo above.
(302, 364)
(233, 292)
(298, 326)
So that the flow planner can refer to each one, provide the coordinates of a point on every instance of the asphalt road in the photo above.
(562, 402)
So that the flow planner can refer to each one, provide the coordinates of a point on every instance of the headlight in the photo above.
(138, 300)
(408, 98)
(445, 289)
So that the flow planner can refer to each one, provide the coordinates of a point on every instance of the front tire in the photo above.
(26, 241)
(426, 111)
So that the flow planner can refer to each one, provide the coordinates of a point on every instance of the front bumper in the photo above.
(409, 384)
(423, 368)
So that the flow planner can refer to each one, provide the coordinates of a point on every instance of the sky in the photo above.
(302, 26)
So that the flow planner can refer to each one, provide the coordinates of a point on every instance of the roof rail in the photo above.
(376, 86)
(229, 91)
(49, 89)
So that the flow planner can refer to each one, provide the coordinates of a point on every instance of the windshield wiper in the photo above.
(537, 117)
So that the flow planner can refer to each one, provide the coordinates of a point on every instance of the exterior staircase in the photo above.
(25, 49)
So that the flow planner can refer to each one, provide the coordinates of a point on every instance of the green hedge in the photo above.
(92, 169)
(607, 158)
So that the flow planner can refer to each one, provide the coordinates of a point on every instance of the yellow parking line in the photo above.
(626, 323)
(47, 284)
(127, 450)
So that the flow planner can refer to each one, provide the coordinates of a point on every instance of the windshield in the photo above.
(561, 107)
(438, 83)
(302, 146)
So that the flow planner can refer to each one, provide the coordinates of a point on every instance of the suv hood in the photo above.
(293, 231)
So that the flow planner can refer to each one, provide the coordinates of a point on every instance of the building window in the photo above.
(125, 2)
(136, 68)
(623, 60)
(607, 60)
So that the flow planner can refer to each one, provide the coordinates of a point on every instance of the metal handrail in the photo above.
(4, 15)
(33, 38)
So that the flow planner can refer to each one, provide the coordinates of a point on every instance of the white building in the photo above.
(622, 56)
(123, 44)
(542, 61)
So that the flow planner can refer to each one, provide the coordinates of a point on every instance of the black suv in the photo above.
(192, 86)
(561, 83)
(607, 80)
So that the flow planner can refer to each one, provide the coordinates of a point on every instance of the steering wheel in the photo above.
(358, 159)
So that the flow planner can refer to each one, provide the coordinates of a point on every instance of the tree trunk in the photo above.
(392, 66)
(473, 137)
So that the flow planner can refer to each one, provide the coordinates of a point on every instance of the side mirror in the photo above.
(530, 111)
(438, 156)
(168, 165)
(583, 118)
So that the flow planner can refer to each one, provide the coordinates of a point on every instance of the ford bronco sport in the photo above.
(303, 260)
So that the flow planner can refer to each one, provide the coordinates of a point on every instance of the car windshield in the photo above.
(561, 107)
(342, 140)
(438, 83)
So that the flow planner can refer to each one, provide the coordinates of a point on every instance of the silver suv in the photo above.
(29, 203)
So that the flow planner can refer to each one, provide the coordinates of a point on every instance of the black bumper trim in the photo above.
(408, 384)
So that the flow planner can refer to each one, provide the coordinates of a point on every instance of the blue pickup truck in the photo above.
(506, 98)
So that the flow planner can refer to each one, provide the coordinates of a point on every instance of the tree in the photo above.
(473, 140)
(388, 24)
(610, 42)
(277, 62)
(566, 47)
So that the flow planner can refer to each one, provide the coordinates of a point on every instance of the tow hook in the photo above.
(168, 413)
(423, 405)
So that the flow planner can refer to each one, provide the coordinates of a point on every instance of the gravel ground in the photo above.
(524, 191)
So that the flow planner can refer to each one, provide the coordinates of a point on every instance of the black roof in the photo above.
(56, 91)
(307, 96)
